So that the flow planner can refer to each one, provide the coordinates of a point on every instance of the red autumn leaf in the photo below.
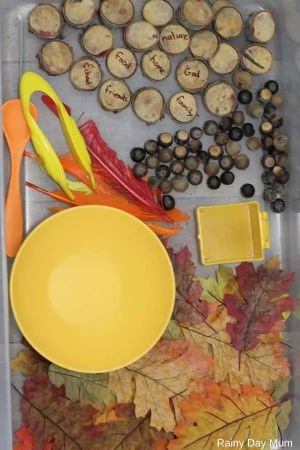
(259, 308)
(189, 307)
(25, 436)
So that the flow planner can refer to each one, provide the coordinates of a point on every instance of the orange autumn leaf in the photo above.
(108, 416)
(25, 436)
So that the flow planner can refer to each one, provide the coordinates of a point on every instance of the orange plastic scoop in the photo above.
(17, 136)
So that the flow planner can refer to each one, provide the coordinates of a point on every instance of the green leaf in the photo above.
(174, 331)
(213, 288)
(296, 312)
(87, 389)
(280, 388)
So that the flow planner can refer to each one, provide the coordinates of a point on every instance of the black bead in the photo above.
(140, 170)
(162, 172)
(248, 130)
(151, 147)
(273, 86)
(238, 118)
(168, 202)
(203, 157)
(152, 162)
(181, 137)
(226, 162)
(180, 152)
(277, 121)
(269, 195)
(227, 178)
(283, 177)
(195, 177)
(213, 182)
(153, 182)
(236, 134)
(245, 97)
(177, 167)
(226, 124)
(194, 145)
(137, 154)
(165, 139)
(210, 127)
(268, 177)
(267, 143)
(278, 206)
(221, 138)
(269, 111)
(165, 155)
(196, 133)
(247, 190)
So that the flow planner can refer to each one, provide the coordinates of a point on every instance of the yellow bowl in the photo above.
(92, 289)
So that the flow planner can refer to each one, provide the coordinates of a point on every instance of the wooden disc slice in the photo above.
(141, 36)
(158, 12)
(45, 21)
(229, 22)
(156, 65)
(114, 95)
(225, 60)
(183, 107)
(97, 40)
(116, 13)
(220, 98)
(121, 62)
(195, 14)
(192, 75)
(149, 105)
(261, 27)
(258, 59)
(204, 44)
(56, 57)
(85, 74)
(219, 4)
(174, 39)
(79, 13)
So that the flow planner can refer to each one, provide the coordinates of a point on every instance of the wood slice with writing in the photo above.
(114, 95)
(183, 107)
(195, 14)
(116, 13)
(149, 105)
(229, 22)
(96, 40)
(192, 75)
(261, 27)
(225, 60)
(204, 44)
(79, 13)
(56, 57)
(220, 98)
(121, 62)
(257, 59)
(45, 21)
(141, 36)
(158, 12)
(219, 4)
(85, 74)
(174, 39)
(156, 65)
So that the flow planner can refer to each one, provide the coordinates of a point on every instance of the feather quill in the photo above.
(116, 172)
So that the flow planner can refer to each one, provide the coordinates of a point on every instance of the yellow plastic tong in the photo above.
(31, 83)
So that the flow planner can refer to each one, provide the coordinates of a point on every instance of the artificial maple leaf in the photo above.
(173, 331)
(25, 436)
(153, 382)
(107, 416)
(87, 389)
(189, 308)
(219, 412)
(280, 392)
(260, 310)
(26, 362)
(214, 289)
(260, 366)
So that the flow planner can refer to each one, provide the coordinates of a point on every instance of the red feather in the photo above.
(52, 106)
(116, 172)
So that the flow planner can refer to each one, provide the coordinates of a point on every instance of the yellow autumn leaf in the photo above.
(107, 416)
(215, 288)
(26, 362)
(220, 414)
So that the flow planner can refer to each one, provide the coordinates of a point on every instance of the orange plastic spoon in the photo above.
(17, 136)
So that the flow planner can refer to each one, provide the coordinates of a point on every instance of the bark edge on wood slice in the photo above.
(261, 27)
(220, 98)
(56, 57)
(192, 75)
(148, 104)
(141, 36)
(121, 62)
(204, 44)
(86, 74)
(79, 13)
(257, 59)
(114, 95)
(156, 65)
(195, 15)
(219, 4)
(116, 13)
(183, 107)
(96, 40)
(229, 22)
(226, 60)
(158, 12)
(174, 39)
(45, 21)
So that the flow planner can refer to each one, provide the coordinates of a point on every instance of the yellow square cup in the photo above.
(232, 233)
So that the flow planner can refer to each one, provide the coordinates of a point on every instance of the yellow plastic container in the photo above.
(233, 233)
